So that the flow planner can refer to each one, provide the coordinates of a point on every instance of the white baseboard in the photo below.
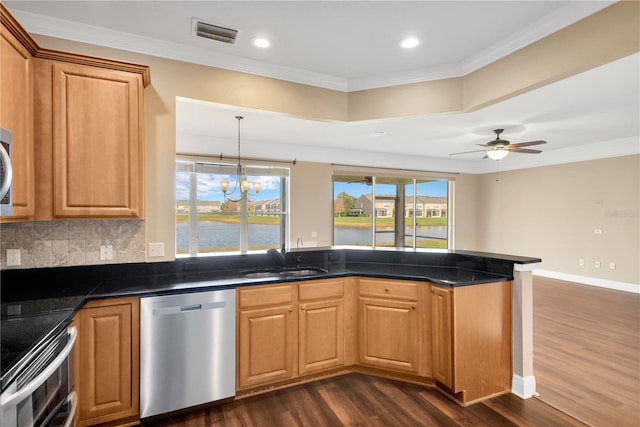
(525, 387)
(591, 281)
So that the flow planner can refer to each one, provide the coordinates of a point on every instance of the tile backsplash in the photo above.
(67, 243)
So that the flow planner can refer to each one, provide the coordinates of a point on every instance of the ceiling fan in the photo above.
(498, 149)
(367, 180)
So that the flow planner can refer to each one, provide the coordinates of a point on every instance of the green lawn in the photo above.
(363, 221)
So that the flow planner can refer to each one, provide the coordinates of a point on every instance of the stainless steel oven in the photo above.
(6, 174)
(39, 390)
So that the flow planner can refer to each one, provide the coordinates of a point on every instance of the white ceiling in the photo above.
(351, 45)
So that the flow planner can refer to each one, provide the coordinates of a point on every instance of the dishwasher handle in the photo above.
(188, 308)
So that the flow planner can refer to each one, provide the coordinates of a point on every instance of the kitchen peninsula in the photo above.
(441, 318)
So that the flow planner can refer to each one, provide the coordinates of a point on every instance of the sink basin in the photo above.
(301, 272)
(288, 272)
(262, 274)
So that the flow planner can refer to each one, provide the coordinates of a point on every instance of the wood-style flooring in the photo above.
(586, 351)
(360, 400)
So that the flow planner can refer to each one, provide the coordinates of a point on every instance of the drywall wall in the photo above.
(553, 212)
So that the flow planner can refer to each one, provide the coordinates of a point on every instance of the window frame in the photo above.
(200, 164)
(417, 177)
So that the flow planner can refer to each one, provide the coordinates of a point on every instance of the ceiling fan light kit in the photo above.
(498, 149)
(497, 153)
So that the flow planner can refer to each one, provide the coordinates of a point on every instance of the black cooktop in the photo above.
(20, 334)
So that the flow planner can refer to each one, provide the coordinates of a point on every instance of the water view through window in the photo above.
(403, 212)
(207, 222)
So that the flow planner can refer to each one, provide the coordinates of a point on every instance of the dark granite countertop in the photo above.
(49, 297)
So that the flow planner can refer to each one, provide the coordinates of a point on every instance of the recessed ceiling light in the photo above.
(261, 42)
(410, 43)
(378, 133)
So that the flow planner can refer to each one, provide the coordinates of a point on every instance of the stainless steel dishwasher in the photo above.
(187, 350)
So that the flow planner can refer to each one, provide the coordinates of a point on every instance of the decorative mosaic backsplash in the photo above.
(67, 243)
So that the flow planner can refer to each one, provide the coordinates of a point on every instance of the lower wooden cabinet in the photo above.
(106, 361)
(321, 327)
(266, 346)
(471, 339)
(266, 335)
(289, 330)
(441, 335)
(389, 333)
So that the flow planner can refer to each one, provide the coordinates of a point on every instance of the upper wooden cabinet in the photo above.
(77, 124)
(16, 112)
(98, 142)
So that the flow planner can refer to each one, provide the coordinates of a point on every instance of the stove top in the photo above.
(22, 333)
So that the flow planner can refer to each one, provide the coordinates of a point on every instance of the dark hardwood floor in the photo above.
(360, 400)
(586, 351)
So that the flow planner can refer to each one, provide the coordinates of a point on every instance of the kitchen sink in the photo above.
(285, 272)
(262, 274)
(302, 272)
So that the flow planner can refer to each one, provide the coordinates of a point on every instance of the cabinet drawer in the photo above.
(321, 289)
(265, 296)
(389, 289)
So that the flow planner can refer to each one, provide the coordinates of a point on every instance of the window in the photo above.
(206, 223)
(390, 212)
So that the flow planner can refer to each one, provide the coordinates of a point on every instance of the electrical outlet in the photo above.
(156, 249)
(106, 252)
(598, 231)
(596, 264)
(13, 257)
(612, 265)
(581, 262)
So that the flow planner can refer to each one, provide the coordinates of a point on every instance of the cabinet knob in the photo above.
(290, 309)
(386, 289)
(302, 307)
(413, 307)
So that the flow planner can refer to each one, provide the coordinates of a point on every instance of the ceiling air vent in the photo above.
(214, 32)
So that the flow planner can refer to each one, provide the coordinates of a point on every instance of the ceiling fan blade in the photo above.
(529, 143)
(467, 152)
(524, 150)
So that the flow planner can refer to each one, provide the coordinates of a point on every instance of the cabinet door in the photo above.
(388, 334)
(321, 335)
(441, 335)
(97, 142)
(107, 374)
(266, 346)
(16, 116)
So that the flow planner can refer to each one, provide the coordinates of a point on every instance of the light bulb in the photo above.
(256, 187)
(244, 186)
(497, 153)
(224, 185)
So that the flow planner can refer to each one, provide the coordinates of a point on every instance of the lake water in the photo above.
(220, 235)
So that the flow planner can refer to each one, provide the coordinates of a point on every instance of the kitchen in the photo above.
(477, 225)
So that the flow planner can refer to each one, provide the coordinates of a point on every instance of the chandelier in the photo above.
(241, 182)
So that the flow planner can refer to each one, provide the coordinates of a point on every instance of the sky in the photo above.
(209, 187)
(435, 188)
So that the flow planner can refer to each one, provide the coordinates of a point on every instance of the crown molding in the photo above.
(59, 28)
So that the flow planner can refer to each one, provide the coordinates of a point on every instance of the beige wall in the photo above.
(487, 214)
(551, 212)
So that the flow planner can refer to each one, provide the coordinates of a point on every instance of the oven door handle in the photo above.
(73, 400)
(15, 398)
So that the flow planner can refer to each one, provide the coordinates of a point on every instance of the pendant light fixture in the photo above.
(241, 183)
